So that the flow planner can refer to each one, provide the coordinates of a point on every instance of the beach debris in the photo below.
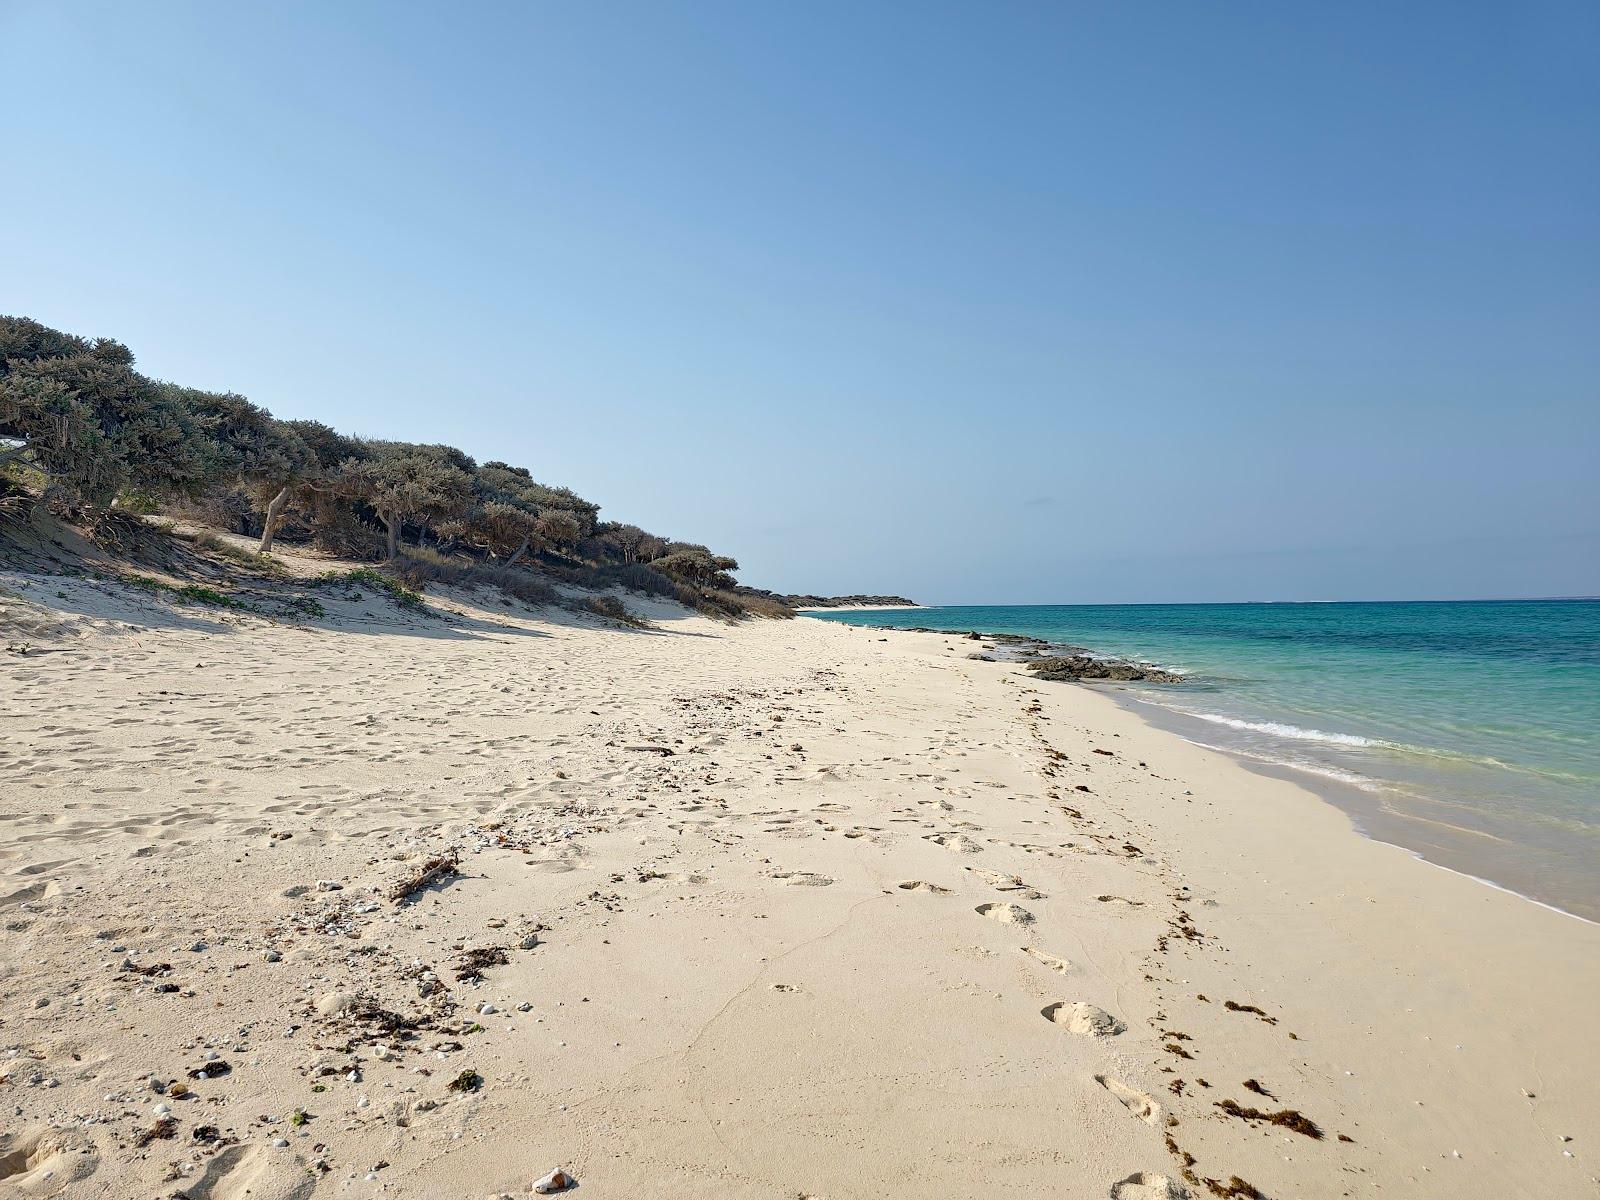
(557, 1181)
(1254, 1085)
(1288, 1118)
(651, 748)
(431, 871)
(468, 1081)
(471, 964)
(1080, 1018)
(1234, 1189)
(1233, 1006)
(164, 1129)
(212, 1070)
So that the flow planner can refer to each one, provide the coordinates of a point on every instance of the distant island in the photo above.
(846, 601)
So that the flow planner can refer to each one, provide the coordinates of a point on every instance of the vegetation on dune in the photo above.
(96, 439)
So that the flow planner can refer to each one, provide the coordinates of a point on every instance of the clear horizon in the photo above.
(1202, 603)
(1120, 305)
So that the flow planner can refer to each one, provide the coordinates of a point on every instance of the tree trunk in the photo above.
(521, 550)
(274, 511)
(391, 528)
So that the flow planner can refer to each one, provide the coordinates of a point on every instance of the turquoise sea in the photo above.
(1467, 731)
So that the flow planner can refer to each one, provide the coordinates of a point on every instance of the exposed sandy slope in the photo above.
(858, 935)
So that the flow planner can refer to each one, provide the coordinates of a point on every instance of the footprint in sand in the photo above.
(1146, 1185)
(1135, 1101)
(1081, 1018)
(1120, 900)
(44, 1162)
(804, 879)
(42, 890)
(922, 885)
(1006, 914)
(959, 842)
(1060, 965)
(670, 877)
(1006, 883)
(254, 1172)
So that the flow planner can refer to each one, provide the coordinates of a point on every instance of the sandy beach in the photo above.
(429, 905)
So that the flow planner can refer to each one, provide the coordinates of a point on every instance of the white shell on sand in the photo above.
(557, 1181)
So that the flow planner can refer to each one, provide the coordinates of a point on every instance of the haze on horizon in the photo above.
(977, 303)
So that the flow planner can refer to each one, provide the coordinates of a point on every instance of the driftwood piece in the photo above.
(430, 872)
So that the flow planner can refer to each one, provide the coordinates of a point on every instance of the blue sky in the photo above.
(981, 302)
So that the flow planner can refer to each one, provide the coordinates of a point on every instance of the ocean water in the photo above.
(1466, 731)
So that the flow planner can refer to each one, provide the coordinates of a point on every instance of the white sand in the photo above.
(768, 964)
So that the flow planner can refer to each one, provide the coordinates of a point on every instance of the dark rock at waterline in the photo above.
(1081, 666)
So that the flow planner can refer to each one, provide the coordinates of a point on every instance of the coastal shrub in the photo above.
(612, 609)
(192, 592)
(86, 433)
(400, 482)
(378, 582)
(223, 548)
(756, 604)
(517, 583)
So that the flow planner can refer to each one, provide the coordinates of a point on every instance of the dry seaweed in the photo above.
(1235, 1189)
(1233, 1006)
(163, 1130)
(471, 964)
(1288, 1118)
(368, 1012)
(467, 1081)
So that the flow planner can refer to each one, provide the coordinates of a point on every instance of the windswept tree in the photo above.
(630, 543)
(402, 482)
(695, 564)
(265, 456)
(504, 517)
(513, 513)
(95, 427)
(560, 527)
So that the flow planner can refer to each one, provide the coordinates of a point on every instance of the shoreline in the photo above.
(1379, 807)
(772, 909)
(1452, 848)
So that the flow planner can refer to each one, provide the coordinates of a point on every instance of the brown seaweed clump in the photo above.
(1288, 1118)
